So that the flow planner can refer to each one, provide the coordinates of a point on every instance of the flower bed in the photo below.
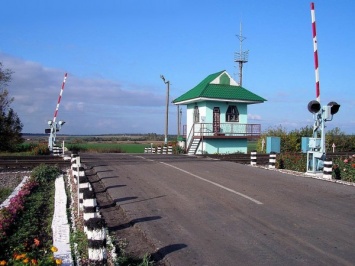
(25, 234)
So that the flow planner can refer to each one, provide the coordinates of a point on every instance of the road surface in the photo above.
(199, 211)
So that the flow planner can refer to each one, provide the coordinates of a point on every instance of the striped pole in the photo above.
(315, 49)
(253, 158)
(60, 97)
(327, 168)
(272, 160)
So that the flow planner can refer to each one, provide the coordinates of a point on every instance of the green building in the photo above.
(217, 116)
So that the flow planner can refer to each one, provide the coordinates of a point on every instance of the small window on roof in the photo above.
(232, 114)
(224, 79)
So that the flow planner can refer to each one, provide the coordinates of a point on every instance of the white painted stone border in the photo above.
(60, 225)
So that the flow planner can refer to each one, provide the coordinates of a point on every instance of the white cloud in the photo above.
(93, 105)
(254, 117)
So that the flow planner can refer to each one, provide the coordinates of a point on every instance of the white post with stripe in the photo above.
(328, 169)
(272, 160)
(253, 158)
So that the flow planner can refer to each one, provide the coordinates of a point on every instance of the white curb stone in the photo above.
(60, 225)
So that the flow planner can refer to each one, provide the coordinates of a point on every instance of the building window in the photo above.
(196, 115)
(232, 114)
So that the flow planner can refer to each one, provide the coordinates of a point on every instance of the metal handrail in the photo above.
(227, 129)
(223, 129)
(190, 138)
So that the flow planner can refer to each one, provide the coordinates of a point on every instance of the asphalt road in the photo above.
(206, 212)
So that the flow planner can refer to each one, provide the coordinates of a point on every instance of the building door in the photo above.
(216, 120)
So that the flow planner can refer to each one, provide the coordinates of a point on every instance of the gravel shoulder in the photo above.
(11, 180)
(128, 237)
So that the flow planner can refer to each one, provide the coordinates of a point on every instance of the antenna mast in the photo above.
(242, 56)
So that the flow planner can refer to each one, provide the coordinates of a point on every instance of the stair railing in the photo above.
(190, 138)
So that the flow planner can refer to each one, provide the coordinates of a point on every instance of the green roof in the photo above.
(218, 87)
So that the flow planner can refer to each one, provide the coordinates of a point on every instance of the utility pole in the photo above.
(167, 108)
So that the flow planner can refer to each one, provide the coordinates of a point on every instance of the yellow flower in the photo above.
(54, 249)
(58, 261)
(3, 262)
(26, 260)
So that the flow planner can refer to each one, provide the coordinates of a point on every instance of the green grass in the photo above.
(4, 193)
(252, 145)
(108, 147)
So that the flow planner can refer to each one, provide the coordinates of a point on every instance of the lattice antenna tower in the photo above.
(241, 57)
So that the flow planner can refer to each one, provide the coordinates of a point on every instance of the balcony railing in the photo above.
(227, 130)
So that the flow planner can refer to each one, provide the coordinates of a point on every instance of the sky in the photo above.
(114, 52)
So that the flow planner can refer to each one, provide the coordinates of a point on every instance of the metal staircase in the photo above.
(194, 145)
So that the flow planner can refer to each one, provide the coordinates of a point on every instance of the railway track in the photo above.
(12, 163)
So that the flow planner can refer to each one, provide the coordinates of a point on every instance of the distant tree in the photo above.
(10, 124)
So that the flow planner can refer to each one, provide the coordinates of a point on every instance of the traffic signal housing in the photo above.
(314, 106)
(334, 107)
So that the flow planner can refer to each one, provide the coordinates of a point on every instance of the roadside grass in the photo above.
(4, 193)
(252, 145)
(108, 147)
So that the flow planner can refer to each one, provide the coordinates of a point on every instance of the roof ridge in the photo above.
(206, 89)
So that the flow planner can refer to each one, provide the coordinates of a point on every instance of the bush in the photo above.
(292, 161)
(291, 141)
(345, 167)
(40, 149)
(45, 173)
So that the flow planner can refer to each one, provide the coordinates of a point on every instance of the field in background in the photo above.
(106, 143)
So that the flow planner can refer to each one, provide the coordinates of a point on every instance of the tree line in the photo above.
(10, 123)
(291, 141)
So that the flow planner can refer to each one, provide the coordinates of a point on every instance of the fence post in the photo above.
(170, 149)
(328, 168)
(253, 158)
(272, 160)
(97, 240)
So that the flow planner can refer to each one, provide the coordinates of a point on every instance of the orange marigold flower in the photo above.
(36, 242)
(26, 260)
(34, 262)
(3, 262)
(54, 249)
(20, 256)
(58, 261)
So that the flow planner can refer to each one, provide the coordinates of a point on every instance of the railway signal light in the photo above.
(334, 107)
(314, 107)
